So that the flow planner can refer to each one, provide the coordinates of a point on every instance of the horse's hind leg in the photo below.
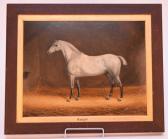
(111, 84)
(121, 88)
(78, 87)
(110, 93)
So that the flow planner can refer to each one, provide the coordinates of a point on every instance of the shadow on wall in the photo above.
(93, 38)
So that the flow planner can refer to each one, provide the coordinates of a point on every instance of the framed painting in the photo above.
(78, 66)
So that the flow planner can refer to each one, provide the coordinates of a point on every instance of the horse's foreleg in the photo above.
(72, 79)
(78, 87)
(121, 91)
(71, 93)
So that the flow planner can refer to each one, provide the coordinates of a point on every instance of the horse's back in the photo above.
(85, 65)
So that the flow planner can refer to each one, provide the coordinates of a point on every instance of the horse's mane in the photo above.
(70, 46)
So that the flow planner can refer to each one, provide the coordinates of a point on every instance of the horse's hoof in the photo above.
(119, 99)
(68, 100)
(107, 98)
(76, 98)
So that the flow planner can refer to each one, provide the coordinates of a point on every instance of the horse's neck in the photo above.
(69, 52)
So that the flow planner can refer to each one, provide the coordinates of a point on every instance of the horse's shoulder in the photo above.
(74, 58)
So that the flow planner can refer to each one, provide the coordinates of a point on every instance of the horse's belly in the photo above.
(93, 68)
(87, 67)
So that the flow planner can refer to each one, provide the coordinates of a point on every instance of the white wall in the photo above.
(3, 56)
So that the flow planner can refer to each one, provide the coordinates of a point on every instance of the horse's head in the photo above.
(56, 46)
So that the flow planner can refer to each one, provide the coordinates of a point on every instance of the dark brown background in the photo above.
(93, 38)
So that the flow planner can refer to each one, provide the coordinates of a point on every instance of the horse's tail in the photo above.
(123, 61)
